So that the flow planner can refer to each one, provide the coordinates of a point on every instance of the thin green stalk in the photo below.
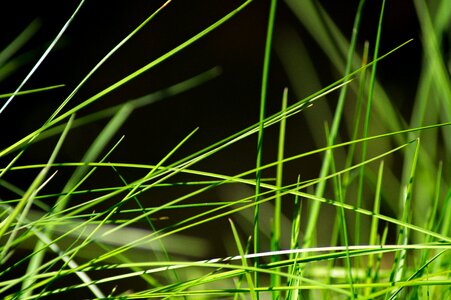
(294, 244)
(367, 123)
(275, 243)
(399, 264)
(32, 91)
(264, 87)
(345, 240)
(374, 224)
(250, 283)
(357, 115)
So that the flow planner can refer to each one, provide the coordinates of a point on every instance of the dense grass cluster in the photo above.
(374, 223)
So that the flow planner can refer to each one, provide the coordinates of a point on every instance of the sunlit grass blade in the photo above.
(31, 91)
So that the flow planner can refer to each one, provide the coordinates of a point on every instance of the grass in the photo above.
(383, 183)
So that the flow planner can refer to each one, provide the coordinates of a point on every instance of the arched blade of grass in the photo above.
(124, 80)
(335, 253)
(350, 207)
(43, 57)
(165, 266)
(86, 205)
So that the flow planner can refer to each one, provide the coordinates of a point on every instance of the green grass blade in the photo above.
(375, 223)
(264, 87)
(250, 283)
(367, 122)
(275, 243)
(32, 91)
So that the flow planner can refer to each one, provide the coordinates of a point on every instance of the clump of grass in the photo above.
(390, 234)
